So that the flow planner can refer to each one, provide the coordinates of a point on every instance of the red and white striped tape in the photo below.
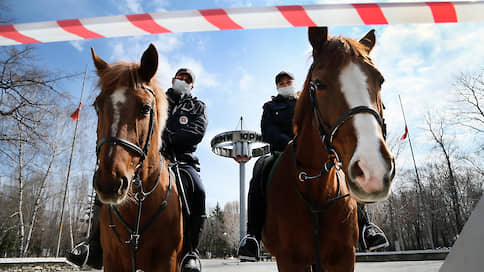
(242, 18)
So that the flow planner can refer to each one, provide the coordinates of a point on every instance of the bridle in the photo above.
(327, 134)
(136, 231)
(142, 153)
(327, 138)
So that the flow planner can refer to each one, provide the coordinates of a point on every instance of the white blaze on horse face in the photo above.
(118, 98)
(367, 154)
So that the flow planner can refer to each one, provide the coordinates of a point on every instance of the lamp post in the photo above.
(240, 145)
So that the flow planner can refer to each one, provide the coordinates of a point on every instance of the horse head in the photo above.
(342, 91)
(132, 112)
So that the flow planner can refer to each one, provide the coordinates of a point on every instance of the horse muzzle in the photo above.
(369, 182)
(111, 186)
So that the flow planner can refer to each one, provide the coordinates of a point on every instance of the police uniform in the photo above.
(185, 128)
(276, 123)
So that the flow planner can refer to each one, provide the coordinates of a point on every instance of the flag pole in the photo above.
(69, 168)
(419, 184)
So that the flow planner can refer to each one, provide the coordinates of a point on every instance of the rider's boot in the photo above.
(191, 261)
(89, 252)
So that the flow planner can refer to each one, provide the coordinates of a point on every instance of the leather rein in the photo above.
(136, 231)
(333, 159)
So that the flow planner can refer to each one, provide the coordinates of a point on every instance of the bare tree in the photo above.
(54, 151)
(446, 147)
(29, 101)
(232, 226)
(24, 91)
(469, 112)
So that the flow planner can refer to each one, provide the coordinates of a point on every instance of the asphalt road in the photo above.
(233, 265)
(218, 265)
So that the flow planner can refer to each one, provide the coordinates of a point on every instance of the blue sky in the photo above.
(235, 69)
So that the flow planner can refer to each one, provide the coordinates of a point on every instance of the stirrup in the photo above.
(195, 256)
(244, 242)
(385, 244)
(77, 248)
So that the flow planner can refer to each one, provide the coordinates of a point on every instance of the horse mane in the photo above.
(336, 52)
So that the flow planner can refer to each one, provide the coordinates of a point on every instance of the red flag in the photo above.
(75, 115)
(404, 136)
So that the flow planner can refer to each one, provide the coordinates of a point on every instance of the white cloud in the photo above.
(246, 81)
(130, 6)
(167, 43)
(203, 78)
(140, 6)
(119, 53)
(420, 62)
(158, 5)
(234, 3)
(170, 59)
(78, 45)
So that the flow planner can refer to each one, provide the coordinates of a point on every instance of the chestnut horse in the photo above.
(141, 221)
(311, 220)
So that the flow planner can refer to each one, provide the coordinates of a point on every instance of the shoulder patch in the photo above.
(183, 120)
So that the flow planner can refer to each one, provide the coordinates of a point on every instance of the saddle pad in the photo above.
(264, 170)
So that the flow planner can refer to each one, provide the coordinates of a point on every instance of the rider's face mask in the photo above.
(287, 91)
(181, 87)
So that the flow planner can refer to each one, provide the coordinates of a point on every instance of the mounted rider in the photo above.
(277, 130)
(185, 128)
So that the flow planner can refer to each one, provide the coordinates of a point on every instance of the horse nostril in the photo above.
(356, 170)
(123, 186)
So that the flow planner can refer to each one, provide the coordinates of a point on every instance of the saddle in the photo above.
(263, 171)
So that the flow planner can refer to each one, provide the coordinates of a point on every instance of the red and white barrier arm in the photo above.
(242, 18)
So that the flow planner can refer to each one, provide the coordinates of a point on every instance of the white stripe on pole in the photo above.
(402, 14)
(183, 21)
(343, 14)
(114, 26)
(5, 41)
(46, 32)
(263, 17)
(470, 11)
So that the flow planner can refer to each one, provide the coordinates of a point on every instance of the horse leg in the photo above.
(345, 261)
(173, 263)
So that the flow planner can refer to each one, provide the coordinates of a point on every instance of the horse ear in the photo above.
(149, 63)
(100, 64)
(369, 40)
(317, 36)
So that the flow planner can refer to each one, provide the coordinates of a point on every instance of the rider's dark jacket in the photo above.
(185, 127)
(276, 123)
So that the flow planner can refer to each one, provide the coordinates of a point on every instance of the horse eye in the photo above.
(319, 85)
(145, 109)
